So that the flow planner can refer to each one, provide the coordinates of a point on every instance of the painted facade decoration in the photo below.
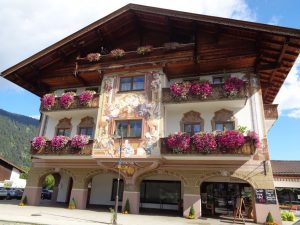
(144, 105)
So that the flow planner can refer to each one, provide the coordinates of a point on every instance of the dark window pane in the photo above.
(138, 83)
(187, 128)
(125, 84)
(86, 131)
(122, 126)
(219, 126)
(136, 128)
(63, 132)
(114, 190)
(197, 128)
(217, 80)
(229, 126)
(82, 131)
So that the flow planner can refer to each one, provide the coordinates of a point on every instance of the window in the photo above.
(191, 128)
(162, 192)
(95, 89)
(217, 80)
(224, 125)
(86, 131)
(63, 131)
(132, 83)
(86, 126)
(130, 128)
(114, 189)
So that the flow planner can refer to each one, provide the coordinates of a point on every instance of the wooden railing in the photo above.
(247, 149)
(75, 105)
(217, 94)
(67, 150)
(271, 111)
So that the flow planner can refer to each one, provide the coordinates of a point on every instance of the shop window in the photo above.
(223, 120)
(64, 127)
(132, 83)
(86, 126)
(191, 123)
(129, 128)
(160, 192)
(114, 189)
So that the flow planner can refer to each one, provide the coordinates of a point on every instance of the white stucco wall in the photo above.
(63, 188)
(15, 174)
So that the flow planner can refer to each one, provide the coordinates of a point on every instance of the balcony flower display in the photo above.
(117, 53)
(143, 50)
(93, 57)
(179, 142)
(230, 140)
(252, 135)
(67, 99)
(48, 101)
(79, 141)
(204, 142)
(180, 90)
(203, 89)
(59, 142)
(232, 86)
(86, 97)
(39, 142)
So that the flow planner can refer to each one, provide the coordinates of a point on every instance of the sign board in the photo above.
(265, 196)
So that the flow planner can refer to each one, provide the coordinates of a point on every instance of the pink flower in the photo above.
(93, 57)
(79, 141)
(39, 142)
(59, 142)
(252, 135)
(117, 53)
(86, 97)
(203, 89)
(144, 50)
(67, 99)
(48, 101)
(179, 142)
(230, 139)
(232, 86)
(204, 142)
(180, 90)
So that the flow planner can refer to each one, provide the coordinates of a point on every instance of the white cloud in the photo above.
(288, 97)
(6, 85)
(274, 20)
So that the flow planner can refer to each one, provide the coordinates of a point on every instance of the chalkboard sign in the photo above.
(265, 196)
(270, 196)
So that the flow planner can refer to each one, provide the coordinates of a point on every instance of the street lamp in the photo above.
(116, 136)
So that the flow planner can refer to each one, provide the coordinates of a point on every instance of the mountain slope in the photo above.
(16, 132)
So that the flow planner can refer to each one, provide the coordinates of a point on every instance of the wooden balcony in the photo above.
(67, 150)
(247, 149)
(216, 95)
(271, 112)
(75, 105)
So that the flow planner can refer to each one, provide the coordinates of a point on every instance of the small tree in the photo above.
(269, 219)
(72, 204)
(127, 207)
(192, 213)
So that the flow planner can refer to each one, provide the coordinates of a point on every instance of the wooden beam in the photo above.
(33, 85)
(196, 46)
(269, 66)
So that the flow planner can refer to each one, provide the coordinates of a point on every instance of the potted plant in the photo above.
(86, 97)
(270, 220)
(127, 207)
(48, 101)
(67, 99)
(79, 141)
(232, 86)
(93, 57)
(202, 89)
(72, 204)
(180, 90)
(117, 53)
(204, 142)
(230, 140)
(143, 50)
(179, 142)
(192, 213)
(39, 142)
(253, 136)
(59, 142)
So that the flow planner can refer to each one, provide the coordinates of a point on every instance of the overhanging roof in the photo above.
(216, 44)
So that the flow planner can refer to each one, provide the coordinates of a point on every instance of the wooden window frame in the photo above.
(87, 122)
(64, 123)
(223, 116)
(128, 126)
(193, 131)
(191, 117)
(131, 85)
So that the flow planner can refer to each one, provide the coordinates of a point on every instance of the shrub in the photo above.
(179, 142)
(230, 139)
(72, 204)
(127, 207)
(192, 213)
(269, 219)
(204, 142)
(288, 216)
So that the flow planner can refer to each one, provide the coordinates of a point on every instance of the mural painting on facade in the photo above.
(132, 105)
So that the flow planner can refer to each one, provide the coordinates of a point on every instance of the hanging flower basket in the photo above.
(232, 86)
(179, 142)
(117, 53)
(59, 142)
(48, 101)
(39, 142)
(180, 90)
(93, 57)
(86, 98)
(143, 50)
(79, 141)
(230, 140)
(204, 142)
(202, 89)
(67, 99)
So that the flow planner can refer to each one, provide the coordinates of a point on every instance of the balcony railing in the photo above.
(75, 105)
(247, 149)
(217, 94)
(67, 150)
(271, 112)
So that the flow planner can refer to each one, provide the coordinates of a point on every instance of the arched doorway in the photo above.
(102, 190)
(222, 196)
(161, 194)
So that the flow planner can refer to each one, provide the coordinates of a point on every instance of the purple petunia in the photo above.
(79, 141)
(204, 142)
(48, 101)
(86, 97)
(230, 139)
(232, 86)
(179, 142)
(59, 142)
(39, 142)
(180, 90)
(67, 99)
(254, 137)
(203, 89)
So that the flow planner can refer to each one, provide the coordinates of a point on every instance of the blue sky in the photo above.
(30, 26)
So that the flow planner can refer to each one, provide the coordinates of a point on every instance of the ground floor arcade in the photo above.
(211, 189)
